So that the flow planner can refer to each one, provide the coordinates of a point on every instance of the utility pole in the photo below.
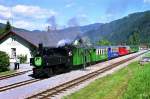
(11, 18)
(84, 52)
(48, 29)
(84, 58)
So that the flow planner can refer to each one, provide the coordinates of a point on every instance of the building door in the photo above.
(13, 53)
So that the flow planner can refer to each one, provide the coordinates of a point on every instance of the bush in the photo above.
(4, 61)
(23, 58)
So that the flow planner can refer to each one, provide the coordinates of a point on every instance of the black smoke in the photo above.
(73, 22)
(52, 22)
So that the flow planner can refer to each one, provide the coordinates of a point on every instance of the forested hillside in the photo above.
(119, 31)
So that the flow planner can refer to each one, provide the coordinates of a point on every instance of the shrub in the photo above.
(4, 61)
(23, 58)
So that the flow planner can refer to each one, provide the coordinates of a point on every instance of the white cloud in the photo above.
(146, 1)
(82, 16)
(29, 25)
(22, 24)
(20, 11)
(24, 16)
(5, 12)
(70, 5)
(80, 19)
(25, 11)
(32, 11)
(107, 18)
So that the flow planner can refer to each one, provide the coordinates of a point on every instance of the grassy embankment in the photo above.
(6, 73)
(132, 82)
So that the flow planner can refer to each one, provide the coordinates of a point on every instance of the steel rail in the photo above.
(13, 75)
(18, 84)
(62, 87)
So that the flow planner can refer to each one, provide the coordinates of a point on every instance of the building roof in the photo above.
(48, 39)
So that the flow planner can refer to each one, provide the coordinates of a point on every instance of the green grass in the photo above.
(6, 73)
(132, 82)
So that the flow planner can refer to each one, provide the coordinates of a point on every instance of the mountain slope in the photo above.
(119, 30)
(1, 28)
(83, 29)
(2, 25)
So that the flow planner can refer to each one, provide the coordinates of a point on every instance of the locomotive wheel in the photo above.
(42, 72)
(48, 72)
(62, 68)
(37, 73)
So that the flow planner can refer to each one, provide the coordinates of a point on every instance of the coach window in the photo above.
(96, 52)
(100, 51)
(104, 51)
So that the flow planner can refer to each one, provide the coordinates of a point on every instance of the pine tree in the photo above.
(7, 27)
(103, 42)
(134, 38)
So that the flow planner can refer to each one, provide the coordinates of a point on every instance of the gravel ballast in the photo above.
(34, 88)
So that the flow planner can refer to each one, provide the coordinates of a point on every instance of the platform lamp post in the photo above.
(84, 59)
(84, 52)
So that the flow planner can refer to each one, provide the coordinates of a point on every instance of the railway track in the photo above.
(62, 87)
(13, 75)
(19, 84)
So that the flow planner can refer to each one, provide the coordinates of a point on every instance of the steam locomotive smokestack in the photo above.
(40, 48)
(48, 29)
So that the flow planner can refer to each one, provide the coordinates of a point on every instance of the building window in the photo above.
(13, 52)
(96, 52)
(100, 51)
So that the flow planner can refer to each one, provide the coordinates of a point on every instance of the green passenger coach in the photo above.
(49, 61)
(81, 55)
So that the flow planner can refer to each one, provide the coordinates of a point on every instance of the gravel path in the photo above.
(23, 67)
(19, 78)
(34, 88)
(15, 79)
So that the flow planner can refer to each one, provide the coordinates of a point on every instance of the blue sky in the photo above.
(38, 14)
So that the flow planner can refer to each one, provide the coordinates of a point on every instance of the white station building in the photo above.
(22, 42)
